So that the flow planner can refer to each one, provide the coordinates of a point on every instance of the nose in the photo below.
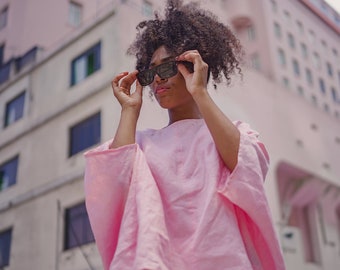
(158, 79)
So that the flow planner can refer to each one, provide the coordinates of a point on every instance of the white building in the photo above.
(56, 101)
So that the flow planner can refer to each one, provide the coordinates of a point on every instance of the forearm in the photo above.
(225, 135)
(126, 130)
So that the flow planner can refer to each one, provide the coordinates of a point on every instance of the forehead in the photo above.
(160, 55)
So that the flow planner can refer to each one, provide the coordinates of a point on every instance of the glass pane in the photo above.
(5, 247)
(15, 109)
(75, 14)
(8, 173)
(85, 134)
(79, 70)
(77, 228)
(90, 63)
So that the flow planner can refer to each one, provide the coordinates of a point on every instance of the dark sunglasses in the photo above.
(164, 71)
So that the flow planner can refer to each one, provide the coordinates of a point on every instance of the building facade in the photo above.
(56, 102)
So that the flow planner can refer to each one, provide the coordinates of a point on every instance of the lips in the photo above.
(161, 90)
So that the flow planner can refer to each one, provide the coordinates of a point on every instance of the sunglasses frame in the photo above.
(147, 76)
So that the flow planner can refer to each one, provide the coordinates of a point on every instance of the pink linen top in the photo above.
(168, 202)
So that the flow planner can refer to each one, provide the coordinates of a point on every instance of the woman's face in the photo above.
(172, 92)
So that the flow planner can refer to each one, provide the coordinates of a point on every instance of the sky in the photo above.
(335, 4)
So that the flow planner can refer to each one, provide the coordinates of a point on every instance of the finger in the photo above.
(139, 88)
(183, 70)
(116, 79)
(128, 80)
(189, 56)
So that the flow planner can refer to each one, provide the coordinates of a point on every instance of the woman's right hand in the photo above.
(121, 85)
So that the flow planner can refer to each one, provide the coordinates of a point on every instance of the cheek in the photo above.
(179, 81)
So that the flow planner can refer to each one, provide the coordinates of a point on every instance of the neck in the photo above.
(185, 112)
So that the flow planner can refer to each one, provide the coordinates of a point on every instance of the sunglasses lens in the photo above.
(167, 70)
(145, 77)
(164, 71)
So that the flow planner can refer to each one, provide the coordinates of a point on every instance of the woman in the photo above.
(190, 195)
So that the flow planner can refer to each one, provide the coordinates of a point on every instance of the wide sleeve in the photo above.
(107, 181)
(244, 188)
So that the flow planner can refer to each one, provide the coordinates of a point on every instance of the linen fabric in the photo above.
(168, 202)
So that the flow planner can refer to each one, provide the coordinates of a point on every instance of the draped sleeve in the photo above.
(125, 209)
(106, 195)
(244, 188)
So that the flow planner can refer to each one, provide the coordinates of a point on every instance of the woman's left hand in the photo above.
(196, 82)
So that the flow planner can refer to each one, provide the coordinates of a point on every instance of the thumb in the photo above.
(139, 88)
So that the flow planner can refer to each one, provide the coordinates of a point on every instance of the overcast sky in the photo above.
(335, 4)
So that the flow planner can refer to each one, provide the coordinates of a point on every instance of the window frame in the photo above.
(296, 67)
(77, 214)
(4, 17)
(87, 141)
(282, 57)
(15, 99)
(3, 234)
(14, 161)
(75, 11)
(277, 30)
(322, 86)
(291, 41)
(94, 51)
(309, 77)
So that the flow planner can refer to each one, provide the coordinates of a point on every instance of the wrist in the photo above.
(130, 110)
(200, 94)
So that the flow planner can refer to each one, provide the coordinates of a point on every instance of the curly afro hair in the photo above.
(188, 27)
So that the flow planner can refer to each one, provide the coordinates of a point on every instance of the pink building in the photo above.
(57, 61)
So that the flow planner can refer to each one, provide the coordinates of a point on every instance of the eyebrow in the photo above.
(166, 59)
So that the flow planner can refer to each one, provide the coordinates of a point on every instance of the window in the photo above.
(85, 64)
(147, 8)
(274, 6)
(8, 173)
(251, 33)
(300, 27)
(75, 14)
(296, 67)
(15, 109)
(282, 57)
(311, 36)
(334, 95)
(291, 41)
(309, 76)
(285, 82)
(2, 53)
(335, 52)
(5, 247)
(300, 90)
(3, 17)
(326, 107)
(287, 17)
(316, 60)
(314, 100)
(304, 51)
(277, 30)
(77, 227)
(322, 86)
(85, 134)
(329, 69)
(255, 61)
